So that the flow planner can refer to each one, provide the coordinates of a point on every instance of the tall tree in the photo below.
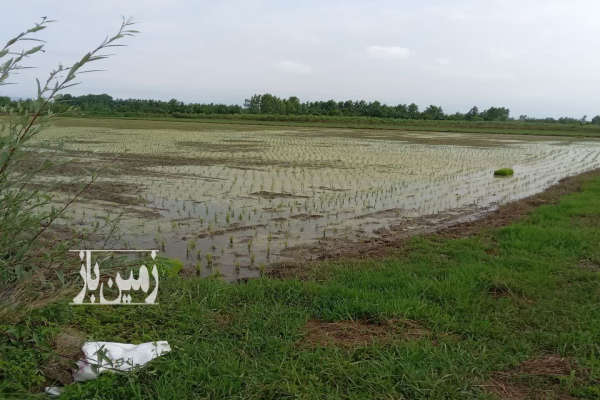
(413, 111)
(472, 114)
(433, 112)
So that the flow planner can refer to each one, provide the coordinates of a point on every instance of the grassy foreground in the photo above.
(504, 311)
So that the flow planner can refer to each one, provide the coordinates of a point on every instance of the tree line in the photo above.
(104, 104)
(269, 104)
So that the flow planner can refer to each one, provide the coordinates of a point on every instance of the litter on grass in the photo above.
(112, 356)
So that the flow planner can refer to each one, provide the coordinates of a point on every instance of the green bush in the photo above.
(26, 213)
(504, 172)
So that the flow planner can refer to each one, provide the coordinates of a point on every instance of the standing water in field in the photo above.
(234, 201)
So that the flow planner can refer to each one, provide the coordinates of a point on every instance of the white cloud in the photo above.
(348, 49)
(294, 67)
(498, 54)
(388, 52)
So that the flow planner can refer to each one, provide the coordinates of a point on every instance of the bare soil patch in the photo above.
(537, 378)
(276, 195)
(233, 228)
(306, 217)
(67, 350)
(114, 192)
(590, 264)
(330, 189)
(359, 333)
(230, 147)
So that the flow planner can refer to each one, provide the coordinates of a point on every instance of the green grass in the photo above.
(504, 172)
(241, 341)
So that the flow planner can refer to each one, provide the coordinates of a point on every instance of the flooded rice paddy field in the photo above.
(231, 200)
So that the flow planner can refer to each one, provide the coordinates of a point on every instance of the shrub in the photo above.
(25, 212)
(504, 172)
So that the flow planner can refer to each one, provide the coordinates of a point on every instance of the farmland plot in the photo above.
(234, 201)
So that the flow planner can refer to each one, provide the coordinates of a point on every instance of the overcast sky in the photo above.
(538, 57)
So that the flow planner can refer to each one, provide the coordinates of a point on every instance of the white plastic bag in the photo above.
(103, 356)
(53, 390)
